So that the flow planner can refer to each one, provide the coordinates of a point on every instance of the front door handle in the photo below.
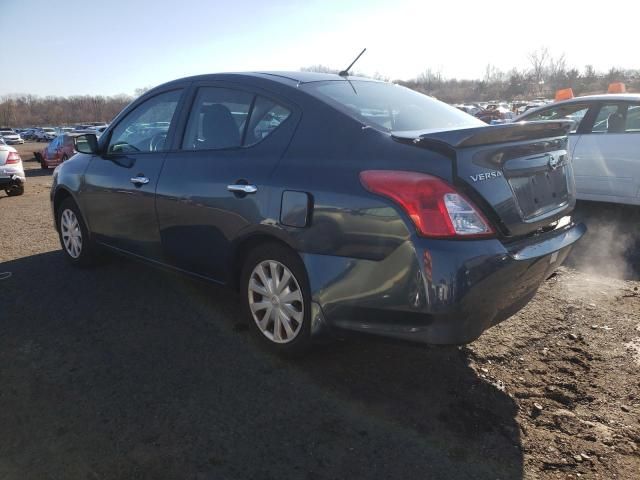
(139, 180)
(237, 188)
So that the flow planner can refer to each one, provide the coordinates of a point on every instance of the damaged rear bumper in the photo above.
(436, 291)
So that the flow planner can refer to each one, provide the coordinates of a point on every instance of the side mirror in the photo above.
(87, 143)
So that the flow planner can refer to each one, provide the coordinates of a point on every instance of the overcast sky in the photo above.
(63, 47)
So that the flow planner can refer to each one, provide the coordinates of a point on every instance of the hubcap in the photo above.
(276, 302)
(71, 233)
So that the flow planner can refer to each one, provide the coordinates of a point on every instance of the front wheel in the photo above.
(276, 298)
(78, 247)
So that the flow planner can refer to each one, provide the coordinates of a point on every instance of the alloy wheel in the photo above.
(276, 301)
(71, 233)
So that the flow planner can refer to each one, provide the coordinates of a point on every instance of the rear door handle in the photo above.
(139, 180)
(242, 188)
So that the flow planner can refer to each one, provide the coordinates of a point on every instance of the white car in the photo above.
(604, 144)
(12, 176)
(10, 136)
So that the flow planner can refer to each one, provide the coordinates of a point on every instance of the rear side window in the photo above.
(217, 120)
(266, 116)
(610, 119)
(633, 119)
(225, 118)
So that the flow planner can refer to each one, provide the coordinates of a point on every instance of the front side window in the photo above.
(573, 112)
(218, 119)
(610, 119)
(390, 107)
(145, 128)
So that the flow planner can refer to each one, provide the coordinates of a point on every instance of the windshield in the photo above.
(391, 107)
(48, 130)
(6, 132)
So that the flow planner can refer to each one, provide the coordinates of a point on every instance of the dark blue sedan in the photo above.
(328, 202)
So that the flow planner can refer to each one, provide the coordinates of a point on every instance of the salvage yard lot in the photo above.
(126, 372)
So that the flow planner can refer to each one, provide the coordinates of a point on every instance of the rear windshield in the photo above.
(391, 107)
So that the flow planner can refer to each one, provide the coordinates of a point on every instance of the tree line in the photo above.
(542, 77)
(31, 110)
(544, 74)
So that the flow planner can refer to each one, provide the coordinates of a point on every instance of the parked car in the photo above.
(327, 202)
(28, 133)
(604, 143)
(59, 150)
(11, 137)
(45, 134)
(97, 130)
(495, 114)
(12, 176)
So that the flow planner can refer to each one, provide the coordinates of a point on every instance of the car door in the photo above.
(216, 184)
(606, 160)
(119, 184)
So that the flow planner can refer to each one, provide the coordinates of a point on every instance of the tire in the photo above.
(43, 165)
(85, 253)
(14, 190)
(291, 311)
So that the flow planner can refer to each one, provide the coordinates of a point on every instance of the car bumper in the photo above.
(434, 291)
(13, 142)
(11, 175)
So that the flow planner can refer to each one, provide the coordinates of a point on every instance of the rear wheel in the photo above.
(276, 298)
(78, 247)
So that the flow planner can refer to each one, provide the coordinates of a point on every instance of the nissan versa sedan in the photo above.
(604, 143)
(328, 202)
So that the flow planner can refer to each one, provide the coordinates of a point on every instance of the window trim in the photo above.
(191, 99)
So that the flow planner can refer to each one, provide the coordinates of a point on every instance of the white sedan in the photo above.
(604, 144)
(12, 176)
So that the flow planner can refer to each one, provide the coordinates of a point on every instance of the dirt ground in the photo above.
(125, 372)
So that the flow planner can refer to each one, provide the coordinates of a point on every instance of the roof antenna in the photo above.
(345, 72)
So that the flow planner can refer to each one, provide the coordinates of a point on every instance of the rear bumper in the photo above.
(436, 291)
(11, 175)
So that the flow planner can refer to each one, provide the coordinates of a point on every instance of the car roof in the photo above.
(604, 97)
(288, 78)
(607, 97)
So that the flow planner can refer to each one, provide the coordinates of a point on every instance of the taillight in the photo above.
(13, 157)
(434, 206)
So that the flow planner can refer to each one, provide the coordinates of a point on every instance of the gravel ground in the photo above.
(126, 372)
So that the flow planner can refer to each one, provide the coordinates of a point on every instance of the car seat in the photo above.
(219, 129)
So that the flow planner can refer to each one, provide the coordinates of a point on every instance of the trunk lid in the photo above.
(519, 174)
